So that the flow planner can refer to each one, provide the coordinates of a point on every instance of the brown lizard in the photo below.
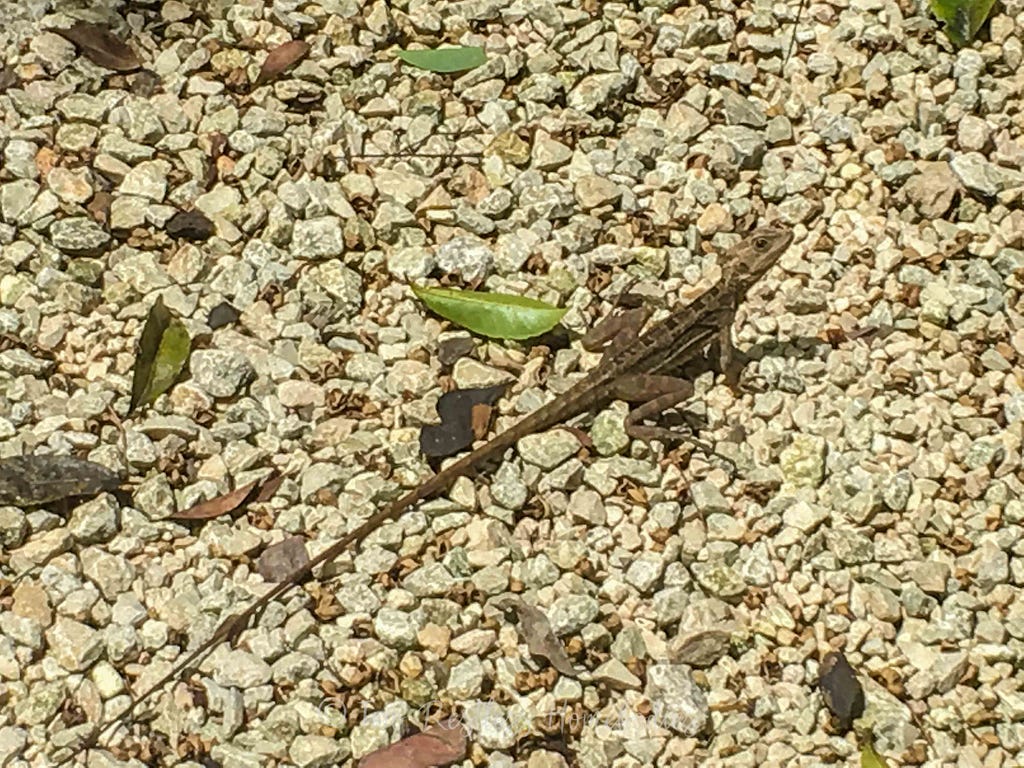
(633, 368)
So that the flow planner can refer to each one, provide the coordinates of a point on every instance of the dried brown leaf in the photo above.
(480, 418)
(327, 606)
(280, 560)
(257, 490)
(280, 59)
(540, 638)
(435, 745)
(101, 46)
(218, 505)
(99, 207)
(269, 488)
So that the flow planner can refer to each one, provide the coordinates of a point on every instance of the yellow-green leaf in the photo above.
(498, 315)
(869, 758)
(445, 59)
(163, 350)
(963, 17)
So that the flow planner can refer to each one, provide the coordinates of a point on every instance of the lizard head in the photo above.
(758, 252)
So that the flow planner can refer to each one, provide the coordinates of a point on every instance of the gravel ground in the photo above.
(873, 498)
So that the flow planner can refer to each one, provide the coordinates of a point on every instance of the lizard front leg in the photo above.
(615, 332)
(729, 360)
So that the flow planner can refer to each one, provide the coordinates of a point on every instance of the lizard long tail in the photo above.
(547, 416)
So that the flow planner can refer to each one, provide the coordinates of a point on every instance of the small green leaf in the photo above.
(869, 758)
(445, 59)
(163, 349)
(498, 315)
(963, 17)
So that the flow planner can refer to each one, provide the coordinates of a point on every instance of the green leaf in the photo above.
(498, 315)
(869, 758)
(963, 17)
(163, 350)
(445, 59)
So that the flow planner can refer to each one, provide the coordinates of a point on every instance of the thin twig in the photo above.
(792, 40)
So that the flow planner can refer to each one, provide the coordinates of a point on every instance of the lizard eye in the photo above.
(761, 243)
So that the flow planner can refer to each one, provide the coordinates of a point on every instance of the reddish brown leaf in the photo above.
(257, 490)
(480, 417)
(282, 58)
(269, 487)
(101, 46)
(99, 207)
(436, 745)
(218, 505)
(281, 559)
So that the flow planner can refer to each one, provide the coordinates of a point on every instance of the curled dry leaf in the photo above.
(280, 560)
(231, 501)
(27, 481)
(436, 745)
(101, 46)
(282, 58)
(540, 638)
(326, 605)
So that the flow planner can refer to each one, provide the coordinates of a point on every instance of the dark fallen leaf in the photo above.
(436, 745)
(145, 83)
(843, 694)
(190, 225)
(163, 350)
(221, 315)
(279, 560)
(27, 481)
(231, 501)
(280, 59)
(540, 638)
(451, 350)
(101, 46)
(455, 431)
(8, 78)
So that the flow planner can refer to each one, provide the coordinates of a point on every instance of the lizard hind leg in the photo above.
(658, 394)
